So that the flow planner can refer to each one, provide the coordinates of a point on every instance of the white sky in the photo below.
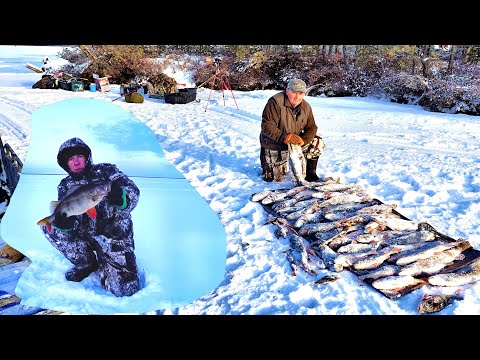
(425, 163)
(19, 50)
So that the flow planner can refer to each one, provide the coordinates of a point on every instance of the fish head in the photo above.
(97, 190)
(433, 303)
(102, 188)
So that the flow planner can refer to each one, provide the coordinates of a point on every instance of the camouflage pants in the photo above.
(118, 265)
(115, 258)
(275, 162)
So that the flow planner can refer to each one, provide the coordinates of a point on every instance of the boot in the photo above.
(311, 170)
(78, 273)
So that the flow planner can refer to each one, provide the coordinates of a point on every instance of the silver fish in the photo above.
(263, 194)
(395, 223)
(374, 226)
(379, 236)
(335, 216)
(325, 237)
(304, 195)
(306, 258)
(396, 282)
(411, 238)
(347, 207)
(376, 260)
(293, 263)
(341, 198)
(284, 204)
(412, 249)
(281, 231)
(336, 187)
(328, 256)
(381, 272)
(308, 218)
(309, 229)
(283, 227)
(326, 279)
(437, 262)
(279, 195)
(322, 182)
(347, 260)
(295, 211)
(356, 247)
(78, 200)
(297, 163)
(345, 237)
(423, 252)
(274, 197)
(377, 209)
(455, 279)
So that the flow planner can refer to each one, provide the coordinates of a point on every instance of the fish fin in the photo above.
(92, 213)
(44, 221)
(53, 205)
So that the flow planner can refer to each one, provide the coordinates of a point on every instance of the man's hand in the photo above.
(63, 222)
(116, 195)
(294, 139)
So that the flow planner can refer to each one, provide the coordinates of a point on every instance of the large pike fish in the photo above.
(297, 163)
(78, 200)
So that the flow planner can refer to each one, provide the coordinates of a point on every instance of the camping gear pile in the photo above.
(60, 80)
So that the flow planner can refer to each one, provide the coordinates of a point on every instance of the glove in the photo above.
(64, 222)
(294, 139)
(116, 196)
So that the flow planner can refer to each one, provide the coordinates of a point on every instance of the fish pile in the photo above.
(339, 227)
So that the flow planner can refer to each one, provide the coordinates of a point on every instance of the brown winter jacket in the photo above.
(278, 120)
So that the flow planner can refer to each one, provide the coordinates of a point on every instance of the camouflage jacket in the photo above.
(111, 220)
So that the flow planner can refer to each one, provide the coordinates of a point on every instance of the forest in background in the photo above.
(440, 78)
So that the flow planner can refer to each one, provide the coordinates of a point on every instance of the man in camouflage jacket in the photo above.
(104, 244)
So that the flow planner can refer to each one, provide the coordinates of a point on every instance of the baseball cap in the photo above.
(297, 85)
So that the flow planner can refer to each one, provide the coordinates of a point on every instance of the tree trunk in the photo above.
(451, 60)
(380, 58)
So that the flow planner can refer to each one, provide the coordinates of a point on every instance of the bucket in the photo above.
(93, 87)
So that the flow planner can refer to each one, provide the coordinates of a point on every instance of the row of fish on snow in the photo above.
(338, 226)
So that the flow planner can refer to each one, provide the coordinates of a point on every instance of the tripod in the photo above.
(221, 76)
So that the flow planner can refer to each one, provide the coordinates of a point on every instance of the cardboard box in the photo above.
(102, 84)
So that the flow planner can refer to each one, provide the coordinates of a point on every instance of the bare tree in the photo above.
(451, 59)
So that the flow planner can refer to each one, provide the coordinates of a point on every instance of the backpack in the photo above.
(134, 98)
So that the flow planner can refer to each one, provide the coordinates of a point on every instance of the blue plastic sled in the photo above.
(180, 243)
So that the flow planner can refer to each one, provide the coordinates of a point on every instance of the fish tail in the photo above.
(46, 221)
